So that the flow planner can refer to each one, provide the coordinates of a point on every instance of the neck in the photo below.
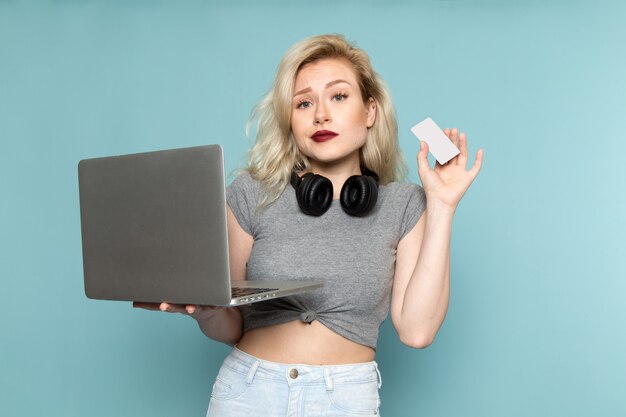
(337, 174)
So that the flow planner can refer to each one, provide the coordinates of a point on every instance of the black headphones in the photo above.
(315, 193)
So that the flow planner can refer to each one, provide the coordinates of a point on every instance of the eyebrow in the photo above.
(330, 84)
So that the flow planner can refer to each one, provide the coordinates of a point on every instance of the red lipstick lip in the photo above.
(323, 135)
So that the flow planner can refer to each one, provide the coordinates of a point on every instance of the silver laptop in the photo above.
(154, 229)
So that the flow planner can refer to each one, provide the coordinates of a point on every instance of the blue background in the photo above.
(537, 314)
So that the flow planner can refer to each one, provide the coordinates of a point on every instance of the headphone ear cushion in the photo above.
(314, 194)
(359, 195)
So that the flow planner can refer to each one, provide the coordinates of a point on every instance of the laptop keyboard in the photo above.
(242, 292)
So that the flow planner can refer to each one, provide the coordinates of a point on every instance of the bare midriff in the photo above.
(303, 343)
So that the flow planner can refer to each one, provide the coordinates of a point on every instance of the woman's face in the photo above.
(328, 117)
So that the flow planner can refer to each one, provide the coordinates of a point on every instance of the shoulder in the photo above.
(402, 192)
(405, 202)
(242, 196)
(244, 183)
(243, 178)
(401, 186)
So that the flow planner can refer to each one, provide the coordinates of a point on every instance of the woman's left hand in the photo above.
(446, 184)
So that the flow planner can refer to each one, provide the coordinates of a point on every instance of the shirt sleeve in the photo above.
(241, 197)
(415, 207)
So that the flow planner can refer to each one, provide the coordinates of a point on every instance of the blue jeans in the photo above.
(247, 387)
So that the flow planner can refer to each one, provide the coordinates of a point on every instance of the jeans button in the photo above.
(293, 374)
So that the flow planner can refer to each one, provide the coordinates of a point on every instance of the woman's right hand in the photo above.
(223, 324)
(198, 312)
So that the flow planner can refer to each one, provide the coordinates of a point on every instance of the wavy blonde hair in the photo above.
(275, 154)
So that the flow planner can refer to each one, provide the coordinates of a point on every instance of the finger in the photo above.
(454, 136)
(478, 163)
(462, 157)
(422, 159)
(172, 308)
(147, 306)
(191, 309)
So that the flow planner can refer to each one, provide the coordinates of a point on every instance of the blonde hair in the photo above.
(275, 153)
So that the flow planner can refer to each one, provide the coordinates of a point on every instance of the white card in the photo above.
(438, 143)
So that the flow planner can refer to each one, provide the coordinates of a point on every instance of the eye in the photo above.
(304, 104)
(340, 97)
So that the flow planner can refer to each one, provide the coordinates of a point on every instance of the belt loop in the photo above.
(328, 379)
(380, 378)
(252, 372)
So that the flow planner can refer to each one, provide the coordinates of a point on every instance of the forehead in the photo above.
(324, 71)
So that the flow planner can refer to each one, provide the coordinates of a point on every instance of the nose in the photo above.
(321, 115)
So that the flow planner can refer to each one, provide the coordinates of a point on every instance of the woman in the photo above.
(374, 241)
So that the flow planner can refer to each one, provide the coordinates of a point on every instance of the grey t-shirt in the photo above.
(354, 256)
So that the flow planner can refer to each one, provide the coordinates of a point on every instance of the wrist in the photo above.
(439, 208)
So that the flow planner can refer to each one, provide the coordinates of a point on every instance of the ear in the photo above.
(370, 112)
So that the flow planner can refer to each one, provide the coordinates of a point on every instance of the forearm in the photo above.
(427, 295)
(224, 326)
